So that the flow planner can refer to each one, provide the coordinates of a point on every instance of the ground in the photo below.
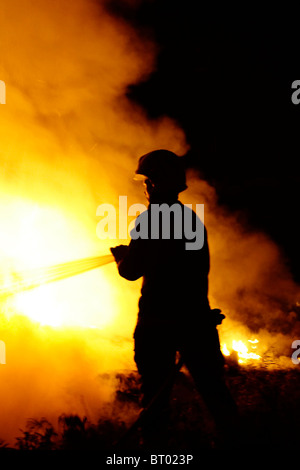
(268, 400)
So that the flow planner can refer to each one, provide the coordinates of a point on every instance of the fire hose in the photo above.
(170, 379)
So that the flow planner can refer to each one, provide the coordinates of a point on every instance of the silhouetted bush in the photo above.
(39, 435)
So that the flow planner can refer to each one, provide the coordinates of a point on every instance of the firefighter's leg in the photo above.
(205, 363)
(155, 358)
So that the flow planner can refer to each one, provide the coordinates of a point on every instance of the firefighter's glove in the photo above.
(119, 252)
(218, 316)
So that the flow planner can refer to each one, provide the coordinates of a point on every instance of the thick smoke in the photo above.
(249, 278)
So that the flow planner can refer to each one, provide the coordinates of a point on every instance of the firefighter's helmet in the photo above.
(164, 168)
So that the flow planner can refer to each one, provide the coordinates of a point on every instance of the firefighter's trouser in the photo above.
(155, 355)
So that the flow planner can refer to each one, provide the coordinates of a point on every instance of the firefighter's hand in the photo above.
(119, 252)
(218, 316)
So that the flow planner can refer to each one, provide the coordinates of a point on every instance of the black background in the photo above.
(225, 75)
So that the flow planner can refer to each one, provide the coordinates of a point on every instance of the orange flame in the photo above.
(242, 350)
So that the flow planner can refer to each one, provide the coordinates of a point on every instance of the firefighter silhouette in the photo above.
(174, 312)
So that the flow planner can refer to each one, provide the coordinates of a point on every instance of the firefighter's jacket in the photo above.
(175, 277)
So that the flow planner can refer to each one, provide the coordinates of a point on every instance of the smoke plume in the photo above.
(249, 279)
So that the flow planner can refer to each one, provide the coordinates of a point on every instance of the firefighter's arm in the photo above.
(130, 259)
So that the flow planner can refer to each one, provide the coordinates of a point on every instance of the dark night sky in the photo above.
(225, 76)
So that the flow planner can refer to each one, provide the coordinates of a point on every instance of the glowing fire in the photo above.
(242, 350)
(37, 236)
